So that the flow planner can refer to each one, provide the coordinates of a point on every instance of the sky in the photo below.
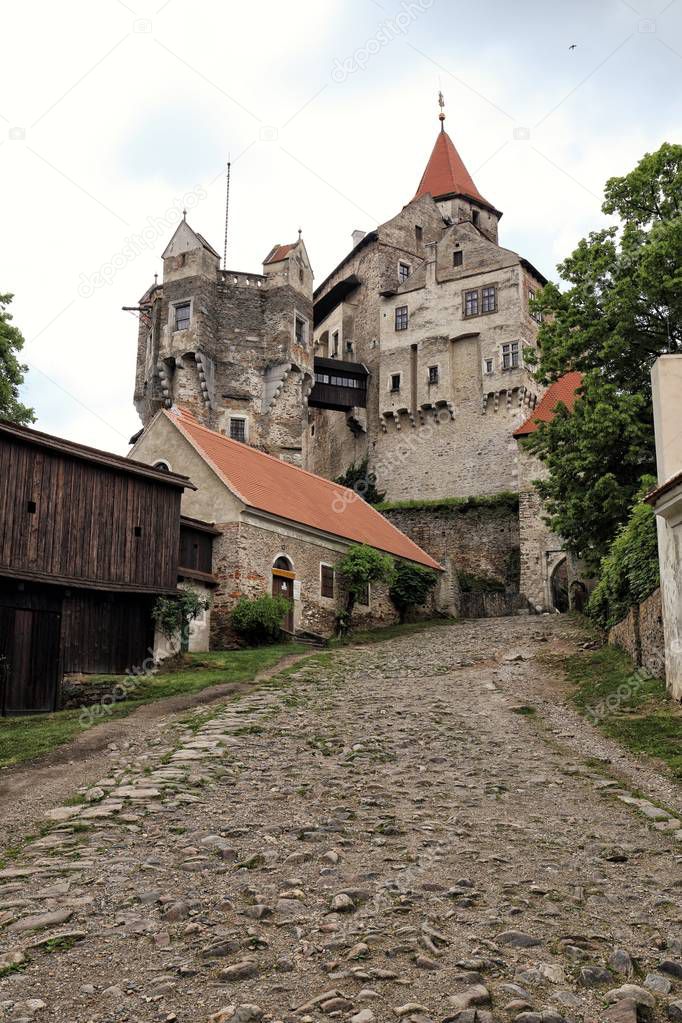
(116, 115)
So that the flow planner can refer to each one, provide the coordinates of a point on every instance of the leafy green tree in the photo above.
(11, 370)
(174, 615)
(622, 309)
(410, 587)
(363, 481)
(360, 566)
(630, 571)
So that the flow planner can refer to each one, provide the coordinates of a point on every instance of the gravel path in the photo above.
(375, 836)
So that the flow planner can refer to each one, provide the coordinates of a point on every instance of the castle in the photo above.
(411, 354)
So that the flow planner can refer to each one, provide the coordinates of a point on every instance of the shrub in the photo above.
(629, 573)
(173, 616)
(363, 481)
(360, 566)
(259, 621)
(411, 586)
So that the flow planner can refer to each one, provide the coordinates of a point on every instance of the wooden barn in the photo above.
(88, 540)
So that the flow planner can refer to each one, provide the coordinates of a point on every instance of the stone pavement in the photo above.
(375, 836)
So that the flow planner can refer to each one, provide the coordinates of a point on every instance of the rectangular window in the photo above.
(488, 365)
(475, 218)
(401, 317)
(326, 581)
(238, 429)
(403, 272)
(395, 381)
(535, 315)
(300, 326)
(489, 299)
(510, 355)
(335, 343)
(433, 374)
(182, 316)
(457, 257)
(418, 234)
(471, 303)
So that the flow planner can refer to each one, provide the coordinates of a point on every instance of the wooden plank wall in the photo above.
(106, 632)
(83, 527)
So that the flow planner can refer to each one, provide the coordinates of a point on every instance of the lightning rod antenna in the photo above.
(227, 212)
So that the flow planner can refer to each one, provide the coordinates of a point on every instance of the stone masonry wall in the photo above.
(481, 542)
(640, 635)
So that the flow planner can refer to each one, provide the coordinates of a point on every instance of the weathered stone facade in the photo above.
(235, 348)
(640, 634)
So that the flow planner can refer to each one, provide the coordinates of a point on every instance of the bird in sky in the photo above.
(573, 46)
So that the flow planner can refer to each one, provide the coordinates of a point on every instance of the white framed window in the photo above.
(238, 429)
(534, 315)
(511, 355)
(401, 317)
(300, 329)
(181, 314)
(471, 302)
(489, 299)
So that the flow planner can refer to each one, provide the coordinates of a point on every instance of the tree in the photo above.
(363, 481)
(622, 309)
(630, 571)
(259, 621)
(410, 587)
(174, 615)
(11, 370)
(360, 566)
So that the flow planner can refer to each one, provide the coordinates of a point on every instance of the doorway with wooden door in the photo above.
(283, 586)
(29, 660)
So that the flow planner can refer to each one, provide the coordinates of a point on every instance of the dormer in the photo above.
(188, 254)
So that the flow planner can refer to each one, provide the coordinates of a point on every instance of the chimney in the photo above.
(357, 237)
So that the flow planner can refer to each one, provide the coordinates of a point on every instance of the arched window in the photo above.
(162, 466)
(283, 564)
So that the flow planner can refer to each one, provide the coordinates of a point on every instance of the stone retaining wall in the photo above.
(640, 634)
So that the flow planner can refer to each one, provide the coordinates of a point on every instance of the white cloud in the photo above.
(121, 122)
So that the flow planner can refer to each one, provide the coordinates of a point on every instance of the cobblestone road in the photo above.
(378, 835)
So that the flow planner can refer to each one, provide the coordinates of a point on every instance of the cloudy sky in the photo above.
(114, 114)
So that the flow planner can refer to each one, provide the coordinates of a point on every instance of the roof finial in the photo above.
(441, 116)
(300, 232)
(184, 214)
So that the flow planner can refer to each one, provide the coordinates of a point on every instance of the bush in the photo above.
(630, 571)
(360, 566)
(363, 481)
(259, 621)
(411, 586)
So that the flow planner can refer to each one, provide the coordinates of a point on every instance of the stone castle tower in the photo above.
(438, 313)
(234, 347)
(410, 354)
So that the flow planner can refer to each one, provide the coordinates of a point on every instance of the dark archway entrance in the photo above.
(559, 586)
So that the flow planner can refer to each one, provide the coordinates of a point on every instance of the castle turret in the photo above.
(450, 184)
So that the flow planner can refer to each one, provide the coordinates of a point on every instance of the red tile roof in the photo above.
(278, 252)
(279, 488)
(446, 174)
(564, 391)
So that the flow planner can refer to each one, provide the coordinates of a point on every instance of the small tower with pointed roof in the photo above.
(450, 184)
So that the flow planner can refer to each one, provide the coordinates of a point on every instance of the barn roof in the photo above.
(268, 484)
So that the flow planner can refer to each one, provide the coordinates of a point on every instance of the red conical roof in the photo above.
(446, 174)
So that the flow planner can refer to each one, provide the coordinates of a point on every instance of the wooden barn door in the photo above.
(29, 660)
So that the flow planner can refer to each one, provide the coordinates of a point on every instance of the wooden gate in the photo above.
(29, 660)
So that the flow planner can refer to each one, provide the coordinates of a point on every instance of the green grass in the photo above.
(632, 709)
(363, 636)
(24, 738)
(505, 499)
